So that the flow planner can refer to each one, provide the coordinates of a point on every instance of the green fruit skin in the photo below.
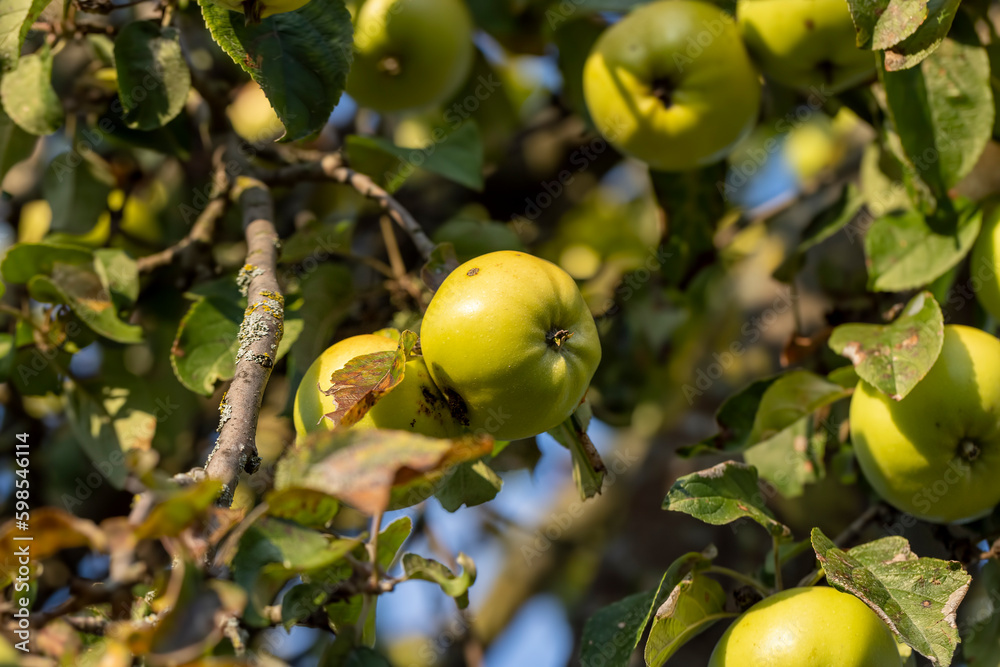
(473, 238)
(985, 267)
(429, 40)
(911, 451)
(807, 627)
(805, 44)
(697, 48)
(484, 340)
(414, 405)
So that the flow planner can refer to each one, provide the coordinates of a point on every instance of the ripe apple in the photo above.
(985, 267)
(936, 453)
(672, 84)
(509, 340)
(814, 627)
(805, 43)
(415, 404)
(409, 53)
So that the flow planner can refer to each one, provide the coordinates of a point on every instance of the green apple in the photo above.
(672, 84)
(509, 340)
(805, 44)
(807, 627)
(415, 404)
(985, 267)
(409, 53)
(936, 452)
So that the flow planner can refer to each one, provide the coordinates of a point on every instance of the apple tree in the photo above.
(292, 289)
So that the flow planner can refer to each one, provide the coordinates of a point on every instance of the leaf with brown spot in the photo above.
(363, 380)
(916, 597)
(894, 357)
(373, 470)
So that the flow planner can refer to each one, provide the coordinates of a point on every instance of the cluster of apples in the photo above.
(508, 349)
(674, 83)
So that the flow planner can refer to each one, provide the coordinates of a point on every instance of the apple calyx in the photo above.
(557, 337)
(663, 90)
(969, 449)
(390, 65)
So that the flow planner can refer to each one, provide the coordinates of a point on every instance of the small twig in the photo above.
(777, 564)
(332, 167)
(852, 531)
(260, 334)
(740, 577)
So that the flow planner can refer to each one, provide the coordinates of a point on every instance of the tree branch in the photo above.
(331, 167)
(260, 334)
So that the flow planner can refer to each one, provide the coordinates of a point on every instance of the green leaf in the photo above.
(735, 418)
(153, 77)
(28, 97)
(904, 251)
(80, 288)
(300, 602)
(981, 625)
(880, 24)
(16, 17)
(391, 539)
(693, 606)
(791, 397)
(453, 585)
(612, 633)
(894, 357)
(790, 459)
(15, 144)
(300, 59)
(273, 551)
(912, 50)
(471, 483)
(24, 261)
(822, 227)
(108, 421)
(77, 190)
(916, 597)
(942, 111)
(318, 241)
(305, 507)
(457, 156)
(693, 206)
(119, 275)
(204, 350)
(588, 468)
(722, 494)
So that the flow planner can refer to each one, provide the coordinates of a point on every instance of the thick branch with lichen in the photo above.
(260, 334)
(331, 167)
